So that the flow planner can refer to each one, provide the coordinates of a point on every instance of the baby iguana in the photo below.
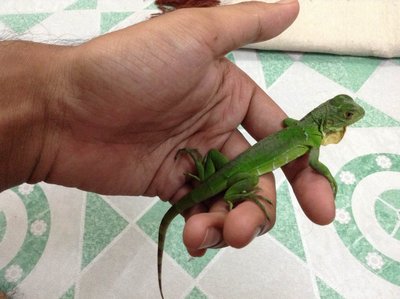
(237, 180)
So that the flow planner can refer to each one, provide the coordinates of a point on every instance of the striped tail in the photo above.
(162, 233)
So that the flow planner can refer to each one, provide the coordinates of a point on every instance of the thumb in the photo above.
(233, 26)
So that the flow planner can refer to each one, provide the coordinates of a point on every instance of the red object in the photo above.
(169, 5)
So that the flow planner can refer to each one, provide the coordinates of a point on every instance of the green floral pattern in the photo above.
(355, 239)
(38, 220)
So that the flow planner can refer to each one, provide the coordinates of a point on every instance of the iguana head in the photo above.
(335, 115)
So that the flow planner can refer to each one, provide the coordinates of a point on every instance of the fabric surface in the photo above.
(58, 242)
(351, 27)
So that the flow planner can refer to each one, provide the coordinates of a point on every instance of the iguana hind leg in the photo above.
(205, 166)
(243, 186)
(198, 162)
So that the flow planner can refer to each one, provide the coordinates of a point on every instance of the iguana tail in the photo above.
(162, 233)
(200, 193)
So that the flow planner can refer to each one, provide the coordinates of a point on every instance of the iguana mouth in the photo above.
(333, 137)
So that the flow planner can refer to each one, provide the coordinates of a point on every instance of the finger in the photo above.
(264, 116)
(312, 189)
(245, 23)
(229, 27)
(203, 231)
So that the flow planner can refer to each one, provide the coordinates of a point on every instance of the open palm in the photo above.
(140, 94)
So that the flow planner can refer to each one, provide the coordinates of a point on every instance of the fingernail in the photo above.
(257, 232)
(261, 230)
(212, 238)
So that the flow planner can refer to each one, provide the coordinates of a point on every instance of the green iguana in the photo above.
(237, 179)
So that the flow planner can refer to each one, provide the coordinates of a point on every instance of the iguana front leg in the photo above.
(321, 168)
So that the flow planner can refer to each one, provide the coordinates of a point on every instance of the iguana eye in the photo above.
(348, 114)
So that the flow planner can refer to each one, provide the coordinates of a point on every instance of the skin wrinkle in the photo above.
(142, 129)
(55, 123)
(178, 144)
(70, 105)
(152, 188)
(225, 115)
(196, 139)
(179, 45)
(25, 117)
(259, 28)
(202, 108)
(92, 142)
(154, 185)
(199, 120)
(200, 35)
(161, 84)
(150, 108)
(87, 181)
(61, 126)
(221, 87)
(204, 35)
(42, 151)
(224, 89)
(189, 130)
(183, 85)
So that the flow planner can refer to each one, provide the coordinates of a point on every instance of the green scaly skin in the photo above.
(237, 179)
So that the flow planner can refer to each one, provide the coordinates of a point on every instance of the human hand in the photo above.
(132, 98)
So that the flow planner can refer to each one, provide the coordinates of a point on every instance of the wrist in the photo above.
(31, 81)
